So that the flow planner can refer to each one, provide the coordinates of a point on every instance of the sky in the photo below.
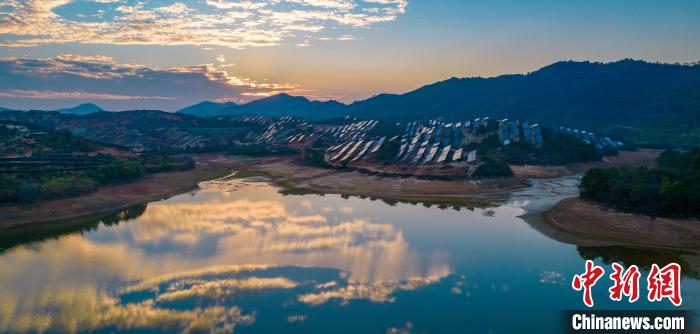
(168, 54)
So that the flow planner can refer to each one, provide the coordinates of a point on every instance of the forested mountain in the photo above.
(208, 109)
(645, 102)
(275, 106)
(82, 109)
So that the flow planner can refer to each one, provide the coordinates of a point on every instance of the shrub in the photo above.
(315, 158)
(388, 151)
(493, 168)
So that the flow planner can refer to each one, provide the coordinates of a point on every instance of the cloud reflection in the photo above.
(131, 274)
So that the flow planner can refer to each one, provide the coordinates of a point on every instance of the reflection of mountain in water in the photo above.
(13, 237)
(644, 258)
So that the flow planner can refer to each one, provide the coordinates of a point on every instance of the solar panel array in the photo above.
(286, 130)
(591, 138)
(437, 141)
(431, 142)
(510, 131)
(353, 144)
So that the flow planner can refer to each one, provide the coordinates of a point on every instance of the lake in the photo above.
(237, 255)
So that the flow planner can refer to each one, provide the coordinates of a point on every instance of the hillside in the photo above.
(644, 102)
(38, 163)
(82, 109)
(146, 129)
(25, 139)
(209, 109)
(275, 106)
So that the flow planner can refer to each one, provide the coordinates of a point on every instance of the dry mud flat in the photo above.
(290, 174)
(595, 221)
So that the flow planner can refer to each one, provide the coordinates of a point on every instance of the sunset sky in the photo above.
(167, 54)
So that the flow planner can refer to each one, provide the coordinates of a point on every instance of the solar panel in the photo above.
(352, 150)
(409, 151)
(471, 157)
(364, 150)
(420, 153)
(345, 148)
(378, 145)
(401, 150)
(431, 154)
(443, 154)
(457, 156)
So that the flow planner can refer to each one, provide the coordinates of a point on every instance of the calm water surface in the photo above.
(239, 256)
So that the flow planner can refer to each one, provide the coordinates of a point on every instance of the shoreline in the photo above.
(290, 175)
(295, 177)
(109, 199)
(607, 226)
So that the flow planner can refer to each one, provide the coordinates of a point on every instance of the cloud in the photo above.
(228, 23)
(223, 288)
(99, 78)
(46, 94)
(375, 291)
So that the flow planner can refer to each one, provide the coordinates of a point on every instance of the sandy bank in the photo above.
(594, 221)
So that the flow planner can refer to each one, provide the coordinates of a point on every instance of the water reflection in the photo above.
(157, 269)
(238, 255)
(644, 258)
(12, 237)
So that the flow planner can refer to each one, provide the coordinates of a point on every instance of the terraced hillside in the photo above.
(147, 130)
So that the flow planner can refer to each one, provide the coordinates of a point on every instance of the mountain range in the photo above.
(276, 106)
(645, 103)
(82, 109)
(210, 109)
